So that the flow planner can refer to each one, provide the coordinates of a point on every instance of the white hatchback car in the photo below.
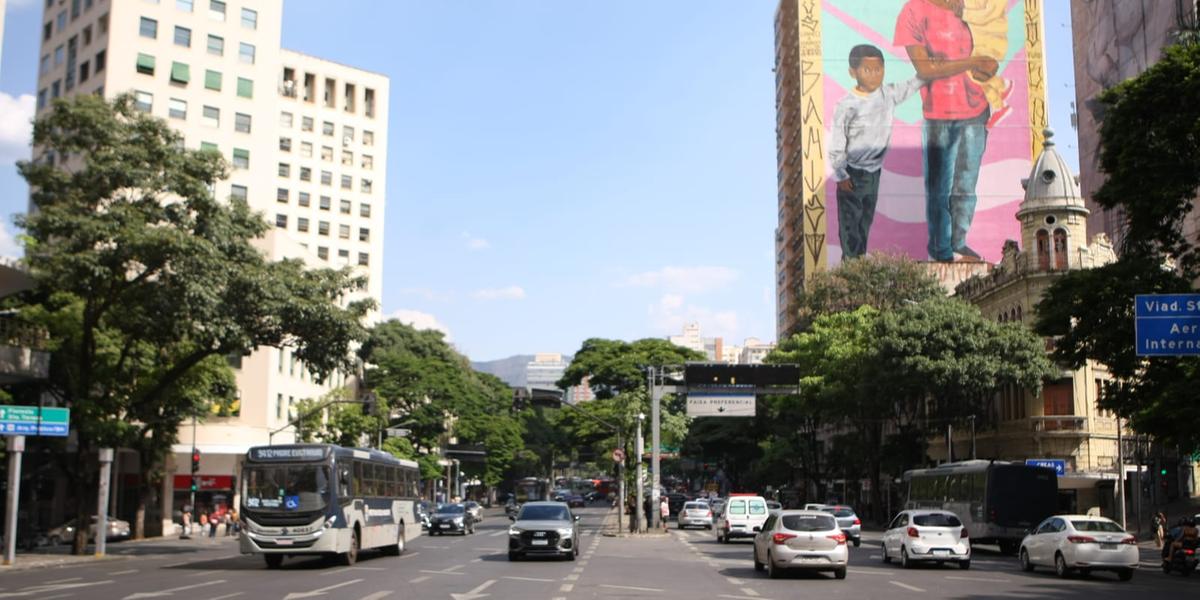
(927, 535)
(743, 515)
(801, 539)
(1080, 542)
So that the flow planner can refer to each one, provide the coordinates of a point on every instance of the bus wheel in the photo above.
(398, 548)
(274, 561)
(350, 556)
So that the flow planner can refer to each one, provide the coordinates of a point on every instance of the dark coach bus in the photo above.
(324, 499)
(996, 501)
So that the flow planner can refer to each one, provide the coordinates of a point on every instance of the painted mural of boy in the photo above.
(988, 22)
(861, 133)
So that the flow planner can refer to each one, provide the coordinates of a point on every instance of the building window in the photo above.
(102, 23)
(344, 256)
(285, 120)
(216, 10)
(363, 259)
(323, 228)
(47, 31)
(143, 101)
(249, 18)
(60, 22)
(322, 253)
(238, 192)
(324, 203)
(245, 88)
(281, 221)
(364, 210)
(368, 162)
(145, 64)
(305, 174)
(212, 116)
(209, 147)
(212, 80)
(348, 101)
(303, 199)
(279, 397)
(344, 207)
(285, 170)
(344, 232)
(1060, 249)
(184, 5)
(180, 73)
(306, 124)
(241, 158)
(44, 67)
(285, 144)
(327, 153)
(56, 88)
(1043, 250)
(301, 224)
(326, 178)
(365, 185)
(148, 28)
(246, 53)
(326, 128)
(241, 123)
(364, 234)
(41, 99)
(281, 194)
(216, 45)
(101, 61)
(347, 182)
(84, 72)
(369, 102)
(368, 138)
(183, 37)
(87, 35)
(306, 149)
(176, 108)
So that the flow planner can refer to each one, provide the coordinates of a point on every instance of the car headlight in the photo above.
(458, 520)
(566, 532)
(515, 531)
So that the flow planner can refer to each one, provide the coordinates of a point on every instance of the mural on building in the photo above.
(920, 119)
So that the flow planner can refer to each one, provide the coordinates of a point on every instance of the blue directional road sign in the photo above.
(1167, 324)
(32, 420)
(1059, 465)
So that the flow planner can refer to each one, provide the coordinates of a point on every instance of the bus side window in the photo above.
(345, 481)
(359, 483)
(393, 484)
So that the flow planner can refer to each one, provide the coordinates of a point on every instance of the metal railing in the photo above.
(1059, 424)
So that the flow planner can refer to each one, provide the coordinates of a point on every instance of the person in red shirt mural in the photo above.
(956, 111)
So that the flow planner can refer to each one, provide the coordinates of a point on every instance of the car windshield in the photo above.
(840, 511)
(937, 520)
(544, 513)
(809, 522)
(1102, 526)
(696, 506)
(286, 488)
(451, 509)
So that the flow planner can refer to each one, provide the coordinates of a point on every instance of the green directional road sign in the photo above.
(33, 420)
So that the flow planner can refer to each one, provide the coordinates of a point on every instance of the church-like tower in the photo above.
(1052, 215)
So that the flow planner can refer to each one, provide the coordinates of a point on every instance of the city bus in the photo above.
(305, 499)
(531, 489)
(996, 501)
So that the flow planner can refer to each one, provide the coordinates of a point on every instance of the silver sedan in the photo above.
(801, 539)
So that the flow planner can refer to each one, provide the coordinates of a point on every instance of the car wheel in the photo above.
(757, 565)
(1025, 564)
(857, 543)
(350, 556)
(570, 555)
(904, 561)
(773, 571)
(1060, 566)
(1166, 568)
(840, 573)
(720, 538)
(274, 561)
(964, 564)
(513, 556)
(1127, 574)
(883, 551)
(708, 527)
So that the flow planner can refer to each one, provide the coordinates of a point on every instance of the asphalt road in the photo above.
(684, 565)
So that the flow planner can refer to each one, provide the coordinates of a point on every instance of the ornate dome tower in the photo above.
(1052, 215)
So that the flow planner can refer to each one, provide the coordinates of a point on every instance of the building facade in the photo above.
(306, 140)
(789, 233)
(1064, 421)
(712, 347)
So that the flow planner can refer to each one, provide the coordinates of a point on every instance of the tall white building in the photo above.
(307, 142)
(713, 348)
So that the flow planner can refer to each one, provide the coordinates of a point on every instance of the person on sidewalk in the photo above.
(1160, 524)
(185, 517)
(664, 511)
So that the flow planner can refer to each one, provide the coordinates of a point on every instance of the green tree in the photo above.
(881, 281)
(145, 280)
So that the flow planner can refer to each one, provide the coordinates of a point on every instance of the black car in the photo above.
(451, 518)
(544, 529)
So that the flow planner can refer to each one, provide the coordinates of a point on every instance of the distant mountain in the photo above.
(511, 370)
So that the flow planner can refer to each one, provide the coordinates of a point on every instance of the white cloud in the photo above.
(16, 126)
(9, 248)
(512, 292)
(420, 320)
(683, 279)
(672, 312)
(475, 243)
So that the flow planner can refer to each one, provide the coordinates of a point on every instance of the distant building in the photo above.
(713, 348)
(547, 368)
(754, 351)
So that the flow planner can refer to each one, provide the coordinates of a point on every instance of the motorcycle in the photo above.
(1185, 559)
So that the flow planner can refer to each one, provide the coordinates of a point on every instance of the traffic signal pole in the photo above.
(195, 469)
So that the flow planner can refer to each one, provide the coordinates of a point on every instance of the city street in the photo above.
(684, 565)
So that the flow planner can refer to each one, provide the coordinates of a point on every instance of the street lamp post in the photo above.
(637, 453)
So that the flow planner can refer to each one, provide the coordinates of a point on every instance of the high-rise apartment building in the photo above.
(306, 139)
(789, 233)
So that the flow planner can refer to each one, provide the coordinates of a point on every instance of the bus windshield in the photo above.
(286, 488)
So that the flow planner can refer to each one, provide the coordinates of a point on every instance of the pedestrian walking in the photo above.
(1160, 524)
(185, 517)
(213, 519)
(664, 511)
(631, 510)
(227, 519)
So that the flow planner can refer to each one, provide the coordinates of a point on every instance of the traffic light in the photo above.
(1162, 471)
(195, 461)
(195, 483)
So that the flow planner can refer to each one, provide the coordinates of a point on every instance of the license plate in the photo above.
(941, 552)
(541, 542)
(811, 559)
(283, 542)
(1108, 546)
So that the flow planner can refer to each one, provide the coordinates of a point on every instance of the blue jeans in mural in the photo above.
(953, 153)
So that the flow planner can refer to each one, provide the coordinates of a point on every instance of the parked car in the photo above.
(801, 539)
(117, 530)
(546, 529)
(849, 522)
(695, 514)
(927, 535)
(560, 495)
(474, 509)
(743, 514)
(1080, 542)
(575, 501)
(451, 518)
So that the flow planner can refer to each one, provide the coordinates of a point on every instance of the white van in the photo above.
(744, 514)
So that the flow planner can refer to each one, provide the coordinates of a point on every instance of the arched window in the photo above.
(1020, 317)
(1043, 250)
(1060, 249)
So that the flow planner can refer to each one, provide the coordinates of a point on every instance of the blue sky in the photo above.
(557, 170)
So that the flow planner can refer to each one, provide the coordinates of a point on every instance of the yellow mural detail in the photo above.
(812, 132)
(1034, 52)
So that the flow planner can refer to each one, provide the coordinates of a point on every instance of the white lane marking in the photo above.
(749, 592)
(911, 588)
(475, 592)
(577, 570)
(173, 565)
(566, 588)
(377, 595)
(366, 568)
(484, 549)
(227, 596)
(538, 579)
(571, 577)
(630, 587)
(320, 591)
(734, 581)
(441, 572)
(125, 572)
(169, 591)
(497, 534)
(68, 580)
(583, 563)
(866, 572)
(977, 579)
(742, 597)
(419, 579)
(57, 596)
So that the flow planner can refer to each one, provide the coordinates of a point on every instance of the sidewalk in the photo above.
(60, 556)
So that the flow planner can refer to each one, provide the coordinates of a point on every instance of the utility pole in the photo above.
(949, 443)
(1120, 475)
(637, 453)
(15, 448)
(621, 486)
(656, 446)
(972, 437)
(106, 459)
(193, 486)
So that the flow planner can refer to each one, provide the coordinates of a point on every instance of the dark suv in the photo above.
(544, 529)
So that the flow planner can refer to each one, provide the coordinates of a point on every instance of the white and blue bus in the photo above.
(324, 499)
(996, 501)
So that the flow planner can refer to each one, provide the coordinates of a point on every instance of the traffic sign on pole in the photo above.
(618, 455)
(34, 420)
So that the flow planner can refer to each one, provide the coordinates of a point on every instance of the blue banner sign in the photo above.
(33, 420)
(1059, 465)
(1167, 324)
